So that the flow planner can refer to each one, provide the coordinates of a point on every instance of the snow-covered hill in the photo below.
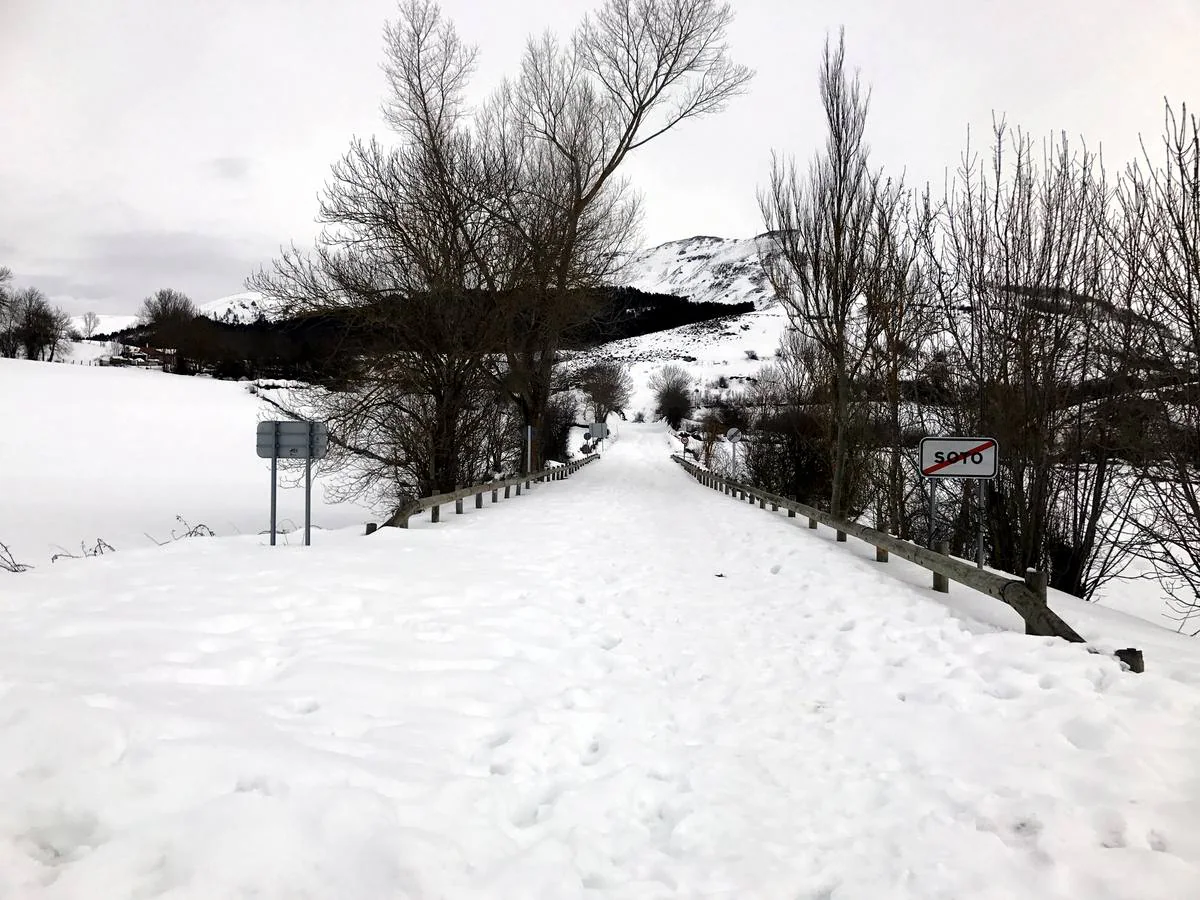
(703, 269)
(242, 308)
(108, 323)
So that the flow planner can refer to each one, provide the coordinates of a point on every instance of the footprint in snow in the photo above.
(592, 753)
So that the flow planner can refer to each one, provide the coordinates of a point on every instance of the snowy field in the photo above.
(92, 453)
(622, 685)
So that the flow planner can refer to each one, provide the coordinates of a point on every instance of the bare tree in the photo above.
(1043, 347)
(91, 322)
(167, 307)
(672, 387)
(559, 135)
(1168, 189)
(32, 326)
(900, 297)
(821, 264)
(5, 289)
(466, 255)
(607, 386)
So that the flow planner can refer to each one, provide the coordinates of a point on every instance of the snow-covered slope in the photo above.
(618, 686)
(704, 269)
(90, 453)
(108, 323)
(243, 308)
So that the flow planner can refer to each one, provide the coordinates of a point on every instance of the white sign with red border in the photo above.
(959, 457)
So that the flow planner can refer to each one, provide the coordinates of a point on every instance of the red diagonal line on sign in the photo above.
(986, 445)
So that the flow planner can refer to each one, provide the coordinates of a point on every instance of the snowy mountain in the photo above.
(703, 268)
(243, 308)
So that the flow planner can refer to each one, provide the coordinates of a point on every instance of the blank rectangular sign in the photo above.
(291, 441)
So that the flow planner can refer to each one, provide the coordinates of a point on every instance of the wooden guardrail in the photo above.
(435, 503)
(1027, 597)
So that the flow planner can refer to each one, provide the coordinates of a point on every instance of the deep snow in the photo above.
(621, 685)
(90, 453)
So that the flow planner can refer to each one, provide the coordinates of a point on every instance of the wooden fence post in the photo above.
(1038, 584)
(841, 536)
(458, 506)
(881, 555)
(941, 583)
(507, 491)
(435, 514)
(479, 500)
(812, 523)
(495, 495)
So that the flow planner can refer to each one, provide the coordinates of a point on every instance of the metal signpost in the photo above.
(293, 440)
(959, 457)
(597, 432)
(733, 436)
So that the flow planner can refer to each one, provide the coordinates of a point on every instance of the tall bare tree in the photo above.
(899, 296)
(823, 256)
(1169, 187)
(91, 322)
(470, 250)
(559, 134)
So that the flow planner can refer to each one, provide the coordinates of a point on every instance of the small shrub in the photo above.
(672, 386)
(561, 413)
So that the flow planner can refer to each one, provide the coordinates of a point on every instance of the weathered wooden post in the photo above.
(519, 488)
(507, 491)
(1038, 583)
(812, 523)
(841, 536)
(372, 527)
(941, 583)
(774, 507)
(435, 514)
(458, 506)
(479, 500)
(881, 555)
(1132, 658)
(762, 502)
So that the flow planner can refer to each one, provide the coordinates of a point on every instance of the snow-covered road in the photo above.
(622, 685)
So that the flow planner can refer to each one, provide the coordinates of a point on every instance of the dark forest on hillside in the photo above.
(320, 348)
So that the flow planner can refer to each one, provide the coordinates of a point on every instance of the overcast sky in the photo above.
(156, 143)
